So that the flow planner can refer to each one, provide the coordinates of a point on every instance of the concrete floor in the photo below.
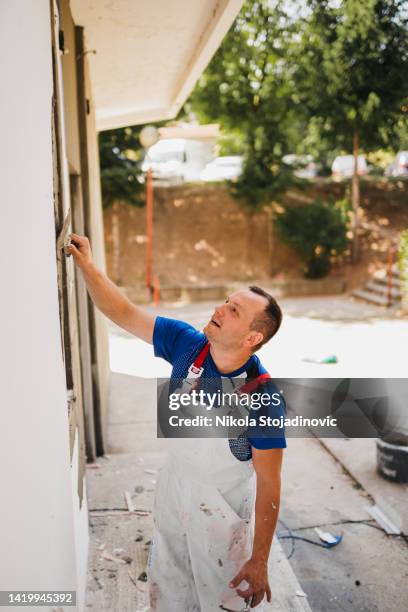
(368, 341)
(368, 570)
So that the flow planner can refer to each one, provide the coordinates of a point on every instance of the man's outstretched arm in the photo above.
(107, 297)
(267, 465)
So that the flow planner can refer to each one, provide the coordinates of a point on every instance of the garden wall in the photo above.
(201, 236)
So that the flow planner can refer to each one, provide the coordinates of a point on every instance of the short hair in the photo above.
(269, 320)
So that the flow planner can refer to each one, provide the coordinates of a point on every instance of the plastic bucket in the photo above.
(392, 461)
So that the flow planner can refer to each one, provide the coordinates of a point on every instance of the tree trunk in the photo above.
(116, 243)
(355, 200)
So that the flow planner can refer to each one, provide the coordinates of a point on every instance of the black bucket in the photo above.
(392, 461)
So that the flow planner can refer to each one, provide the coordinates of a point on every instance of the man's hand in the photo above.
(107, 296)
(256, 575)
(81, 250)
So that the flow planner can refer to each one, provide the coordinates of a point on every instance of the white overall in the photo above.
(202, 512)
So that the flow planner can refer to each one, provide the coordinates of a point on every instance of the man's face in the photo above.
(230, 325)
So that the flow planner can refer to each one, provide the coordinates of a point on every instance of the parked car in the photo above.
(304, 166)
(343, 166)
(226, 168)
(399, 166)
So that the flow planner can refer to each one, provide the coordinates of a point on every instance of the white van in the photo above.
(175, 160)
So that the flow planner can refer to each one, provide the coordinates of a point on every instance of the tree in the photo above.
(120, 154)
(350, 69)
(245, 88)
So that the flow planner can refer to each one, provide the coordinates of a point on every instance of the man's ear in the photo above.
(254, 338)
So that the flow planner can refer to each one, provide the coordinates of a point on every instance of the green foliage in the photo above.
(261, 183)
(402, 128)
(344, 205)
(244, 88)
(230, 143)
(303, 79)
(349, 68)
(121, 157)
(311, 136)
(316, 232)
(121, 154)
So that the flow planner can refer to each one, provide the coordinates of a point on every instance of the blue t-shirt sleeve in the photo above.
(172, 338)
(268, 436)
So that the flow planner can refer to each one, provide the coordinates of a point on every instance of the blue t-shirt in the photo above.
(180, 343)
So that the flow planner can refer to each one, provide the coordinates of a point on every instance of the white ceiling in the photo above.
(149, 53)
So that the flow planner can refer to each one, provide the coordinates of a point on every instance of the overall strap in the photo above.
(254, 383)
(196, 370)
(199, 360)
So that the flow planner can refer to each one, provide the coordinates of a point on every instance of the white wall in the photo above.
(81, 528)
(98, 252)
(37, 521)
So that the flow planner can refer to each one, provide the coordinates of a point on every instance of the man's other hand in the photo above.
(80, 249)
(255, 573)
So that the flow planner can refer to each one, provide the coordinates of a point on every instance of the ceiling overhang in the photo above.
(148, 55)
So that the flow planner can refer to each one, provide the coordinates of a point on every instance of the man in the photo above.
(204, 557)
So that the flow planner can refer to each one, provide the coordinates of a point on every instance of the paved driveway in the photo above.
(368, 341)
